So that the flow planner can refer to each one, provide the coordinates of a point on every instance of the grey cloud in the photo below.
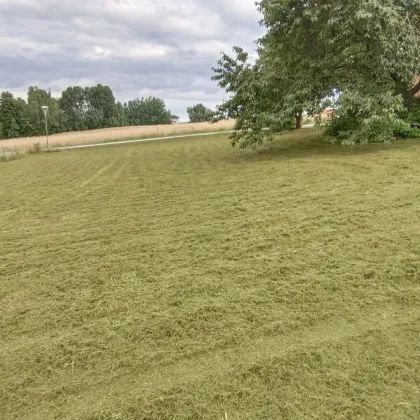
(138, 47)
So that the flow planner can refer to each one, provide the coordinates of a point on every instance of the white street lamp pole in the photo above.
(45, 109)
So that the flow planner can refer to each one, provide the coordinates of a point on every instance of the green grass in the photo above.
(188, 280)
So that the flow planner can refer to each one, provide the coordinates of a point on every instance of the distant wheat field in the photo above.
(115, 133)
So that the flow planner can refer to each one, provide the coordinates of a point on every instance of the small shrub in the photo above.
(403, 130)
(363, 119)
(343, 124)
(414, 133)
(36, 148)
(414, 115)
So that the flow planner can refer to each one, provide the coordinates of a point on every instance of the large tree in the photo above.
(101, 108)
(199, 113)
(146, 111)
(36, 99)
(122, 118)
(78, 108)
(9, 116)
(367, 51)
(73, 103)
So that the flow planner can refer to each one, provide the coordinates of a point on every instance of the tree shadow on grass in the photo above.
(308, 143)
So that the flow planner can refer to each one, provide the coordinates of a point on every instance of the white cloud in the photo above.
(17, 46)
(138, 47)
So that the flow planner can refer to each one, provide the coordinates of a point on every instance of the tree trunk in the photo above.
(298, 120)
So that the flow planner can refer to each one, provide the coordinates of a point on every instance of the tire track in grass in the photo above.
(97, 181)
(226, 362)
(97, 174)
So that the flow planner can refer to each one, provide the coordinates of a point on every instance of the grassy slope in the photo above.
(186, 280)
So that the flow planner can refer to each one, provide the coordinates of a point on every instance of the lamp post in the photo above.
(45, 109)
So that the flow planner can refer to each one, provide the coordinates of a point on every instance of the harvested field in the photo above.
(116, 133)
(188, 280)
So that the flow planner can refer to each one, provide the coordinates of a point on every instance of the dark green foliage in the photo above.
(365, 118)
(413, 133)
(342, 124)
(73, 104)
(9, 115)
(414, 114)
(77, 109)
(35, 117)
(199, 113)
(89, 108)
(146, 111)
(121, 117)
(101, 108)
(410, 117)
(312, 50)
(23, 120)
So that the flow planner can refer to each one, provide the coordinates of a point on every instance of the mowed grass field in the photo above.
(188, 280)
(74, 138)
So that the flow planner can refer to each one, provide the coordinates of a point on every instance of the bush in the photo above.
(403, 130)
(340, 125)
(36, 148)
(410, 133)
(414, 115)
(366, 119)
(414, 133)
(410, 116)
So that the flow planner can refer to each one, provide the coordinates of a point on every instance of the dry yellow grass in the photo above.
(116, 133)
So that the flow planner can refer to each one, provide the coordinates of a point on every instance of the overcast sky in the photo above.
(164, 48)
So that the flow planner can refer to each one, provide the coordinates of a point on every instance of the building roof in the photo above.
(175, 117)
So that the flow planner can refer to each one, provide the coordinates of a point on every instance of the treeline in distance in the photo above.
(78, 108)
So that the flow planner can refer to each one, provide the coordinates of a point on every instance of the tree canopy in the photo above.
(364, 53)
(78, 108)
(199, 113)
(147, 111)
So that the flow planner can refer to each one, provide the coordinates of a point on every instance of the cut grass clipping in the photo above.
(188, 280)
